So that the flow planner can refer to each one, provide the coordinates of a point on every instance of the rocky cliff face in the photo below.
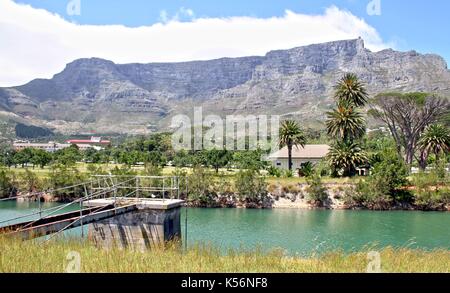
(98, 95)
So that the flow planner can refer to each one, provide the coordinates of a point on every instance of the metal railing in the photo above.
(115, 187)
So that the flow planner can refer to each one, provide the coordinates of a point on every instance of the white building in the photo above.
(48, 147)
(309, 153)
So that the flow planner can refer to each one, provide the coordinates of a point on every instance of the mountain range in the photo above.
(98, 96)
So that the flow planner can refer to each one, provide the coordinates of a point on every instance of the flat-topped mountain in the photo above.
(99, 95)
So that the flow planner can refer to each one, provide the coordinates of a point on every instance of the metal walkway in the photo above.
(118, 189)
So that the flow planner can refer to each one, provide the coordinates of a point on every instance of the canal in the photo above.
(300, 232)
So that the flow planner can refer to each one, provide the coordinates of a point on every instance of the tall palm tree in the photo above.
(435, 139)
(345, 123)
(346, 156)
(349, 90)
(291, 135)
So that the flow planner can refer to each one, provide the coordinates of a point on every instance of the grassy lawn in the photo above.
(18, 256)
(167, 171)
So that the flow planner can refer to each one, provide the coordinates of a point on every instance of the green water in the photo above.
(298, 231)
(305, 232)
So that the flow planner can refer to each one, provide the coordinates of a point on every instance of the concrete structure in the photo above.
(48, 147)
(310, 153)
(150, 225)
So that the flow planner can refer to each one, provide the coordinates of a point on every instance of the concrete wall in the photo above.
(140, 230)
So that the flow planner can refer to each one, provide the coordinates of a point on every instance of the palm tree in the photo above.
(435, 139)
(350, 90)
(346, 156)
(345, 123)
(291, 135)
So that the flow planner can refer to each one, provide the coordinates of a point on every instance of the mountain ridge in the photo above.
(98, 95)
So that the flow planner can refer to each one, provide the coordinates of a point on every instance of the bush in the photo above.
(199, 185)
(274, 171)
(62, 176)
(7, 188)
(370, 194)
(288, 174)
(250, 185)
(428, 194)
(30, 181)
(306, 170)
(317, 192)
(385, 185)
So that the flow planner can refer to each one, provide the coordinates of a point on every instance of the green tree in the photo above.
(250, 185)
(68, 156)
(23, 157)
(346, 156)
(350, 91)
(291, 135)
(407, 115)
(7, 188)
(436, 140)
(40, 158)
(217, 158)
(346, 124)
(248, 160)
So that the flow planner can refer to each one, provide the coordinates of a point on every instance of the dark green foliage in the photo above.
(386, 184)
(68, 156)
(346, 124)
(7, 188)
(306, 170)
(350, 91)
(346, 156)
(291, 135)
(250, 185)
(30, 132)
(274, 171)
(249, 160)
(317, 192)
(217, 158)
(62, 176)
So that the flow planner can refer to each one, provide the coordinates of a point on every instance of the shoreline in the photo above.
(280, 203)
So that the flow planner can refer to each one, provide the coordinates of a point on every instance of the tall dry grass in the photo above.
(18, 256)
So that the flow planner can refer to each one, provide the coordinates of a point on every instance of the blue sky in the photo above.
(182, 30)
(410, 24)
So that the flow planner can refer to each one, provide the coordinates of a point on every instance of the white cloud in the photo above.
(35, 43)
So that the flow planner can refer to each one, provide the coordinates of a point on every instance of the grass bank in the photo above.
(17, 256)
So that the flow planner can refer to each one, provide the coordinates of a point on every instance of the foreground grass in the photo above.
(17, 256)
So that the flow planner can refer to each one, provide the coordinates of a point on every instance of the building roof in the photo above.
(93, 140)
(310, 151)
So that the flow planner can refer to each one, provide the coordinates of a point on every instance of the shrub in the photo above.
(317, 192)
(30, 181)
(62, 176)
(428, 194)
(385, 185)
(274, 172)
(7, 188)
(199, 184)
(250, 185)
(306, 170)
(288, 174)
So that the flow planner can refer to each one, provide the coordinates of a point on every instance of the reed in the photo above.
(29, 256)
